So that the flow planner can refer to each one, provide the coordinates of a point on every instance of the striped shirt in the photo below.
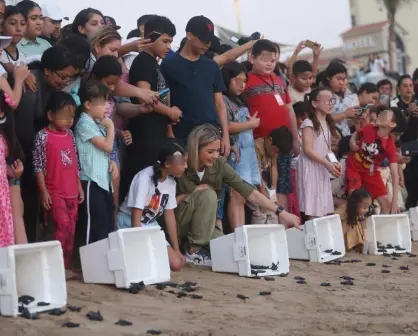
(94, 163)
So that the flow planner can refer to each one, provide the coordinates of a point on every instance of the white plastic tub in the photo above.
(318, 236)
(251, 245)
(127, 256)
(388, 229)
(36, 270)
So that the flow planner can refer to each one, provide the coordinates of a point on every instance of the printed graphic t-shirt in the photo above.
(268, 96)
(373, 150)
(142, 196)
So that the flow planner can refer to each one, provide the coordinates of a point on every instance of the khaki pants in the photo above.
(196, 220)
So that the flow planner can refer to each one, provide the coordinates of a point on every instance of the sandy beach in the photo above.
(377, 304)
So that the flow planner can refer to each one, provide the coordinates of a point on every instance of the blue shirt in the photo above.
(192, 88)
(94, 163)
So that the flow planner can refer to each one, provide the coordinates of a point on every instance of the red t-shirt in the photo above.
(55, 155)
(261, 91)
(373, 150)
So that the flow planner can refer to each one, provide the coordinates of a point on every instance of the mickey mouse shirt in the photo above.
(373, 149)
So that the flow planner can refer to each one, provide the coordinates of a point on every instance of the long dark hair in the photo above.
(8, 131)
(309, 99)
(229, 72)
(82, 18)
(169, 150)
(352, 204)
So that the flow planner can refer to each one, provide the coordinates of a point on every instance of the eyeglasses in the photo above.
(332, 101)
(65, 78)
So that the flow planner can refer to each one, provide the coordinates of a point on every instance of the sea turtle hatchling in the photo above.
(70, 325)
(124, 323)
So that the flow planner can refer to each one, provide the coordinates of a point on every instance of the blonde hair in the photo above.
(200, 137)
(104, 36)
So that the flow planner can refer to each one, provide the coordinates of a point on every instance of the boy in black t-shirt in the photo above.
(150, 131)
(196, 83)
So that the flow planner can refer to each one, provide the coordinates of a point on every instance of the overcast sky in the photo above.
(285, 21)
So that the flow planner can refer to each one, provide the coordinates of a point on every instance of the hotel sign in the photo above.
(366, 44)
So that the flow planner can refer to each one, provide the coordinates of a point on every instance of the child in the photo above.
(56, 170)
(316, 160)
(301, 114)
(279, 141)
(152, 194)
(9, 153)
(95, 134)
(268, 96)
(302, 73)
(370, 147)
(108, 71)
(241, 129)
(352, 215)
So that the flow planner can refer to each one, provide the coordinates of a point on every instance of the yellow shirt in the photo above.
(354, 235)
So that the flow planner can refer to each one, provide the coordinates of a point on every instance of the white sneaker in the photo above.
(200, 258)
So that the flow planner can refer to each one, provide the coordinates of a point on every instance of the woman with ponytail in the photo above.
(317, 163)
(152, 194)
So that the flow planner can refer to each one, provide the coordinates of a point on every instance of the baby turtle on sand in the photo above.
(95, 316)
(347, 283)
(333, 262)
(242, 297)
(154, 332)
(396, 255)
(268, 278)
(371, 264)
(255, 277)
(283, 275)
(189, 289)
(404, 268)
(386, 266)
(395, 258)
(70, 325)
(411, 255)
(264, 293)
(25, 313)
(26, 299)
(136, 287)
(325, 284)
(301, 282)
(74, 309)
(347, 278)
(385, 271)
(181, 295)
(196, 297)
(189, 284)
(299, 278)
(124, 323)
(56, 312)
(355, 261)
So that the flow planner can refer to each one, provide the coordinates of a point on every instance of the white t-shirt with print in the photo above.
(142, 196)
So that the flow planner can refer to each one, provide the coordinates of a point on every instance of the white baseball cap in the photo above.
(52, 11)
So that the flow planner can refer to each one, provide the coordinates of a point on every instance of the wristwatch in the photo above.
(279, 210)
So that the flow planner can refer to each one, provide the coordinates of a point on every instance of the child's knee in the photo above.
(384, 202)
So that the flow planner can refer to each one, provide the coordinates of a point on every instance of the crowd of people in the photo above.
(98, 133)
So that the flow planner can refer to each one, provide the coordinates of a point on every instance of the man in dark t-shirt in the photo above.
(150, 131)
(196, 83)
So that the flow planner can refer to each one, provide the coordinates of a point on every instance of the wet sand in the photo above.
(377, 304)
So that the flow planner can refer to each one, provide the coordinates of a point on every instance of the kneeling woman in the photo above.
(152, 194)
(200, 189)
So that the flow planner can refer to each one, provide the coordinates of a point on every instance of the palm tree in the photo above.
(392, 7)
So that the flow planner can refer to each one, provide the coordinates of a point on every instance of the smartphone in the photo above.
(164, 92)
(234, 39)
(311, 44)
(153, 36)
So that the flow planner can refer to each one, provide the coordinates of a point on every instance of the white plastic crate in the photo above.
(251, 245)
(413, 221)
(318, 236)
(36, 270)
(388, 229)
(127, 256)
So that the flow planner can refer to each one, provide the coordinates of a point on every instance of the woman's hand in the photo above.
(127, 137)
(353, 145)
(21, 72)
(30, 82)
(395, 207)
(334, 168)
(147, 96)
(236, 150)
(46, 201)
(289, 220)
(80, 194)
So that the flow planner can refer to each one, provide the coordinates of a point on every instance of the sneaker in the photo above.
(200, 258)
